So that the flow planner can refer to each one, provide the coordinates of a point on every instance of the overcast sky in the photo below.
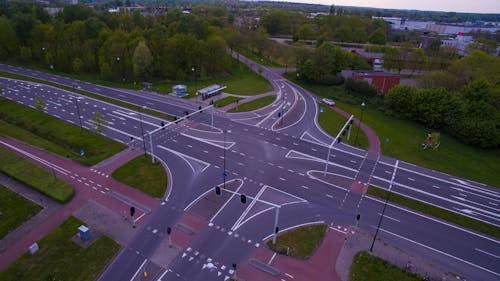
(472, 6)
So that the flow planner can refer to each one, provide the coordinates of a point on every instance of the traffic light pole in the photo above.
(276, 216)
(337, 138)
(152, 151)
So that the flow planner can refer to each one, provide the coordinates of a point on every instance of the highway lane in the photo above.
(235, 159)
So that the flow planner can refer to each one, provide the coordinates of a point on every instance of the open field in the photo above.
(436, 212)
(144, 176)
(253, 105)
(367, 267)
(34, 176)
(405, 138)
(332, 122)
(59, 258)
(14, 210)
(22, 122)
(299, 243)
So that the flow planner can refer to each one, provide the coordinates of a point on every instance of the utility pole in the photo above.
(151, 145)
(359, 124)
(385, 205)
(142, 131)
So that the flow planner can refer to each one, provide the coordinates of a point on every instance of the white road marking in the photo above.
(305, 187)
(391, 218)
(484, 252)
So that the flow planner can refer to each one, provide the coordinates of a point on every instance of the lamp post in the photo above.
(142, 130)
(194, 77)
(385, 205)
(224, 164)
(360, 120)
(77, 102)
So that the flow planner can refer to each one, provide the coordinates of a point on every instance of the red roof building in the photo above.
(382, 81)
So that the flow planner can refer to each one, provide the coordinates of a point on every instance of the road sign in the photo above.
(82, 152)
(321, 109)
(51, 66)
(387, 139)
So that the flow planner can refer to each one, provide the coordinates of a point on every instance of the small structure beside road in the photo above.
(211, 91)
(380, 80)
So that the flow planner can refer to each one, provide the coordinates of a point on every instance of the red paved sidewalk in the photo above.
(374, 142)
(320, 267)
(88, 185)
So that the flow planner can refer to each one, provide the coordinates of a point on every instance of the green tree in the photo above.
(25, 54)
(98, 122)
(276, 22)
(400, 99)
(305, 31)
(105, 71)
(77, 65)
(8, 41)
(378, 37)
(40, 104)
(143, 61)
(392, 59)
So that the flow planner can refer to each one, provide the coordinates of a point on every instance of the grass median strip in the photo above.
(34, 176)
(144, 176)
(225, 101)
(332, 122)
(59, 258)
(57, 136)
(14, 210)
(367, 267)
(253, 105)
(89, 94)
(437, 212)
(299, 243)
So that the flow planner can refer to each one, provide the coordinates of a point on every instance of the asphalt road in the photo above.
(275, 159)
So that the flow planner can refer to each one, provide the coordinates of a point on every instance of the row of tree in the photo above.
(467, 108)
(119, 46)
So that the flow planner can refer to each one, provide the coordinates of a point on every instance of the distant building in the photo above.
(382, 81)
(460, 42)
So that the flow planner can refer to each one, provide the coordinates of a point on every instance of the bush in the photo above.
(330, 79)
(359, 87)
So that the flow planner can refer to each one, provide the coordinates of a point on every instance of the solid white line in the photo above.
(482, 251)
(305, 187)
(391, 218)
(237, 224)
(184, 156)
(139, 269)
(140, 217)
(230, 198)
(289, 275)
(441, 252)
(329, 196)
(271, 259)
(293, 227)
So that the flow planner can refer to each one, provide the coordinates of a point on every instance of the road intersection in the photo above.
(277, 159)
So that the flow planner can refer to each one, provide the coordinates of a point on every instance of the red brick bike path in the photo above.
(88, 185)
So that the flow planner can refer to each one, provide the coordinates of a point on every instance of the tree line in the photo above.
(122, 46)
(463, 100)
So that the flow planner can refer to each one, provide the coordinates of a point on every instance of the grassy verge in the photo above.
(437, 212)
(225, 101)
(141, 174)
(332, 123)
(23, 123)
(405, 138)
(367, 267)
(253, 105)
(89, 94)
(34, 176)
(299, 243)
(59, 258)
(14, 210)
(259, 59)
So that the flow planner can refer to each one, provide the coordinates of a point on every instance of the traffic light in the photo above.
(169, 230)
(163, 125)
(279, 114)
(199, 107)
(338, 140)
(277, 229)
(132, 211)
(343, 132)
(234, 266)
(358, 217)
(217, 190)
(243, 198)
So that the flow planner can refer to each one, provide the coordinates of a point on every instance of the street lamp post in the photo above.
(360, 120)
(385, 205)
(194, 77)
(142, 131)
(224, 164)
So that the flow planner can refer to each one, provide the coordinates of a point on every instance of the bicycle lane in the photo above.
(88, 185)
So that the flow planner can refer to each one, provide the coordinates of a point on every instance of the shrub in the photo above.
(359, 87)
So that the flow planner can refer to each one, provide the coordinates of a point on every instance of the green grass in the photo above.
(300, 243)
(144, 176)
(437, 212)
(253, 105)
(332, 123)
(89, 94)
(405, 137)
(367, 267)
(34, 176)
(60, 137)
(59, 258)
(14, 210)
(225, 101)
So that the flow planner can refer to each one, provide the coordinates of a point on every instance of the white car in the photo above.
(328, 102)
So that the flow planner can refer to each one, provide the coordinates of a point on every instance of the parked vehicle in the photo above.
(328, 102)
